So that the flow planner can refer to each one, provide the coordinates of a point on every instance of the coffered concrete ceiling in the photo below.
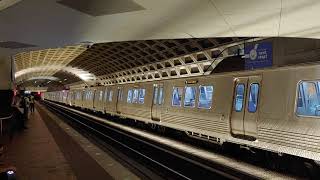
(35, 25)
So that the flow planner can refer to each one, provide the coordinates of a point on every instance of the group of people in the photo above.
(23, 104)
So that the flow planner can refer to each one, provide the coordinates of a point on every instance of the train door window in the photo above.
(155, 95)
(106, 95)
(85, 95)
(308, 101)
(205, 97)
(300, 103)
(142, 93)
(100, 95)
(120, 94)
(160, 99)
(190, 96)
(91, 95)
(239, 96)
(135, 96)
(110, 95)
(177, 96)
(88, 95)
(253, 97)
(129, 98)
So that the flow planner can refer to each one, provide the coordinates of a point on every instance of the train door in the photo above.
(157, 102)
(93, 100)
(105, 99)
(244, 110)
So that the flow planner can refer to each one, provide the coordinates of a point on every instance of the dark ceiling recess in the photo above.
(102, 7)
(107, 58)
(15, 45)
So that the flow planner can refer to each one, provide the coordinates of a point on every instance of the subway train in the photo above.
(274, 109)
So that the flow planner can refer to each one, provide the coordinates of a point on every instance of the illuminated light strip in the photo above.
(83, 75)
(52, 78)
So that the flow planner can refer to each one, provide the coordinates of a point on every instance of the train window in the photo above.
(155, 95)
(110, 95)
(160, 100)
(308, 101)
(190, 96)
(205, 97)
(238, 102)
(177, 96)
(253, 97)
(135, 96)
(142, 93)
(129, 98)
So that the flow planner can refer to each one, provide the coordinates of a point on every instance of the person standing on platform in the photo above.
(32, 104)
(26, 105)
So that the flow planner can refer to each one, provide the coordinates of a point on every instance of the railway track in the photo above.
(166, 162)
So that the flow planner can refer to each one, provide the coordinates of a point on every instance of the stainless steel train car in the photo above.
(275, 109)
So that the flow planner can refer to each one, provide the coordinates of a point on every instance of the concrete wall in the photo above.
(295, 50)
(288, 51)
(5, 70)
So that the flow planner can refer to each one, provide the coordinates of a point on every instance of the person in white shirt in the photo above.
(26, 105)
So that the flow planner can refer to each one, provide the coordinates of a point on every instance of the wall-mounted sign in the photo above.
(258, 55)
(191, 81)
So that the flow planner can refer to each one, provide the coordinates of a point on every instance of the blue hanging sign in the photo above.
(258, 55)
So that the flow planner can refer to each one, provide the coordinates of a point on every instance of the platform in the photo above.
(46, 151)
